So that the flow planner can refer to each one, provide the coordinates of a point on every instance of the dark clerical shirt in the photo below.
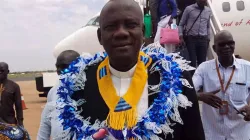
(10, 97)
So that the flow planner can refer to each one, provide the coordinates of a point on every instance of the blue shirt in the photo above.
(167, 7)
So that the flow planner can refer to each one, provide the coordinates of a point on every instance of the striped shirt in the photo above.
(231, 126)
(201, 26)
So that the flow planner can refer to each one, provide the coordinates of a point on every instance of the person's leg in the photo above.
(153, 5)
(191, 46)
(202, 47)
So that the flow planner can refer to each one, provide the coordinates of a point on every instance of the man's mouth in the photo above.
(121, 45)
(226, 53)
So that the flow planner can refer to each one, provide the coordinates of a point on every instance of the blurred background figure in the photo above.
(62, 62)
(10, 97)
(11, 121)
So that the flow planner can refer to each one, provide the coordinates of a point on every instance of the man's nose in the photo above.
(227, 46)
(121, 32)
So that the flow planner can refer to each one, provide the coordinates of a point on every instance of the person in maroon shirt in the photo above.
(10, 96)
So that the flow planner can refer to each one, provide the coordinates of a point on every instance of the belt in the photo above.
(199, 36)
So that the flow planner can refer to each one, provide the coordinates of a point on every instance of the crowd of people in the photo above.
(134, 92)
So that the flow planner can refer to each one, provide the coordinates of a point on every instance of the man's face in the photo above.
(121, 32)
(202, 2)
(224, 46)
(3, 72)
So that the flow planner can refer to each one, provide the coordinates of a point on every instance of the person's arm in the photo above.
(183, 21)
(18, 106)
(192, 128)
(198, 78)
(248, 99)
(174, 8)
(44, 131)
(49, 98)
(208, 27)
(209, 98)
(51, 93)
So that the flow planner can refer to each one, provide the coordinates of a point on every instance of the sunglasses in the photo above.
(229, 43)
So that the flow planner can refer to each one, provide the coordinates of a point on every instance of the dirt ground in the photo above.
(35, 105)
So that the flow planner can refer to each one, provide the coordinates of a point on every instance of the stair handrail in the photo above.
(214, 20)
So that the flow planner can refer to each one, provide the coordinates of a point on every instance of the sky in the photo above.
(30, 29)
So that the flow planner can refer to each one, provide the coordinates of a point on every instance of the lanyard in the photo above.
(221, 82)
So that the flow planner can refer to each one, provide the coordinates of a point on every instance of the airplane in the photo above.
(231, 15)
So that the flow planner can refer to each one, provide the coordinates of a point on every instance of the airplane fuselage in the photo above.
(232, 14)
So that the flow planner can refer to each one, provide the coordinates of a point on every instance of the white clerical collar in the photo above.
(127, 74)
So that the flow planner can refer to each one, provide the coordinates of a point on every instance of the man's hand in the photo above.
(182, 42)
(21, 126)
(208, 42)
(246, 109)
(211, 99)
(170, 21)
(101, 134)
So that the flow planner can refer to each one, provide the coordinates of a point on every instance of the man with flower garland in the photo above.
(126, 92)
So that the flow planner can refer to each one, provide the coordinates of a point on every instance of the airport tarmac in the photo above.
(35, 105)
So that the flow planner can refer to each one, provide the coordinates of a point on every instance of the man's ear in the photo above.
(99, 35)
(8, 71)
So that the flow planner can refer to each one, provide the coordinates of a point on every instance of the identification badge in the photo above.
(224, 108)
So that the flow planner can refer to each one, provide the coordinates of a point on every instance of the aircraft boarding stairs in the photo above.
(215, 27)
(214, 23)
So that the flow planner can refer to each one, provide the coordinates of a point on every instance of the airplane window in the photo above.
(226, 6)
(91, 21)
(96, 21)
(240, 5)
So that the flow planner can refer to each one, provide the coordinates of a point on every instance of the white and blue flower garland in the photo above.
(157, 118)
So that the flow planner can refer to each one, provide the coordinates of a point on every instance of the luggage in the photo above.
(169, 36)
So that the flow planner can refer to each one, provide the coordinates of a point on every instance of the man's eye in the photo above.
(132, 25)
(231, 43)
(110, 27)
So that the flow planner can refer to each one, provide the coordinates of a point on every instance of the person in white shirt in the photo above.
(47, 125)
(125, 92)
(62, 62)
(223, 86)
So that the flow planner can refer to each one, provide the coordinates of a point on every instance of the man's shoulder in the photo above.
(12, 83)
(52, 93)
(243, 62)
(190, 7)
(93, 68)
(207, 9)
(208, 63)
